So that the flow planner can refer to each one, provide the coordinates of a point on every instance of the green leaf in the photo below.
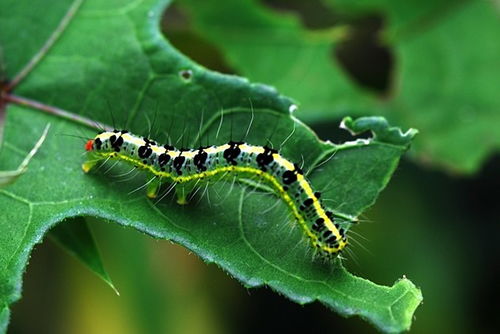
(75, 236)
(446, 73)
(109, 58)
(445, 68)
(275, 48)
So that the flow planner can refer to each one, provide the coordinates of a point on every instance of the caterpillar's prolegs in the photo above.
(153, 187)
(88, 165)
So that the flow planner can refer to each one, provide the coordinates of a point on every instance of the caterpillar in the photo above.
(190, 166)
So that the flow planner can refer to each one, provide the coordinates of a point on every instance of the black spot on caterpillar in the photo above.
(169, 164)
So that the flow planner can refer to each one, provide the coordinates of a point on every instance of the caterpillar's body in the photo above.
(169, 164)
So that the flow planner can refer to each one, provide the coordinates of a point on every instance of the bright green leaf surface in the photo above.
(75, 236)
(446, 67)
(111, 58)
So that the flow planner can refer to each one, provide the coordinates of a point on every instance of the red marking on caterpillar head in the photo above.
(89, 144)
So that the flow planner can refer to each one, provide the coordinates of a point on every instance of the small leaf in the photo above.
(75, 236)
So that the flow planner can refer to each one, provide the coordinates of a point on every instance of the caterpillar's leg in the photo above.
(153, 187)
(183, 190)
(90, 163)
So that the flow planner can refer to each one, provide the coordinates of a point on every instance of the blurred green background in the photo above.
(436, 222)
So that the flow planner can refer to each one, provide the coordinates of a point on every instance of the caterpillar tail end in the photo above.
(330, 250)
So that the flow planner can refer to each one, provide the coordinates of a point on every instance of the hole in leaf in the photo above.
(186, 74)
(177, 29)
(363, 56)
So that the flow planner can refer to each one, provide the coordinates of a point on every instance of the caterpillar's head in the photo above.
(107, 141)
(99, 146)
(89, 145)
(95, 144)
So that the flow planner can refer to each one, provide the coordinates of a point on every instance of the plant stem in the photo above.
(56, 111)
